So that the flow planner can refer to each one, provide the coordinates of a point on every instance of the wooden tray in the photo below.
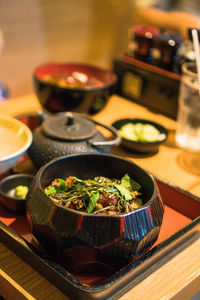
(181, 227)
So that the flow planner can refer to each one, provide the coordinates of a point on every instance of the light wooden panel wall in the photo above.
(37, 31)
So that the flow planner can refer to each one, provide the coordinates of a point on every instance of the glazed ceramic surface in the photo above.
(137, 146)
(69, 133)
(16, 138)
(59, 229)
(58, 99)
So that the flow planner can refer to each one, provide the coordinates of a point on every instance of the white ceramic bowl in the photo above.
(15, 139)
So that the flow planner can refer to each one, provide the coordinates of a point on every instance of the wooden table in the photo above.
(171, 163)
(179, 278)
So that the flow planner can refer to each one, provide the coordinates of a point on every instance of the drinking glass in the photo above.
(188, 118)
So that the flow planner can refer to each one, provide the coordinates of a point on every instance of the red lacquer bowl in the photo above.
(55, 97)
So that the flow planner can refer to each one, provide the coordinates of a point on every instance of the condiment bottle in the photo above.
(164, 51)
(141, 41)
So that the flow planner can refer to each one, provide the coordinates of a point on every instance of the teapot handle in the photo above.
(116, 141)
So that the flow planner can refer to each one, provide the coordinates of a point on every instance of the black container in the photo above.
(147, 85)
(69, 133)
(138, 146)
(7, 187)
(55, 98)
(61, 229)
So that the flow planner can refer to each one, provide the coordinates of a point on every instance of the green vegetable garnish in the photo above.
(94, 197)
(124, 191)
(98, 195)
(51, 190)
(62, 184)
(58, 188)
(129, 183)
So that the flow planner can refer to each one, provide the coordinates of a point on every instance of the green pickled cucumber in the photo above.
(128, 132)
(141, 132)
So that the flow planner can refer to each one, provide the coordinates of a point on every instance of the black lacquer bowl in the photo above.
(7, 191)
(59, 229)
(56, 98)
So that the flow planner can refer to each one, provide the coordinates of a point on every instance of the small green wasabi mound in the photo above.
(21, 191)
(141, 132)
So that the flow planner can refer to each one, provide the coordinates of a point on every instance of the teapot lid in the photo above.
(69, 126)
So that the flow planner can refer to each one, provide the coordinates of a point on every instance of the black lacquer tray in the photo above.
(105, 279)
(180, 228)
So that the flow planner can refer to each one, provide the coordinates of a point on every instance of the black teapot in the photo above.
(68, 133)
